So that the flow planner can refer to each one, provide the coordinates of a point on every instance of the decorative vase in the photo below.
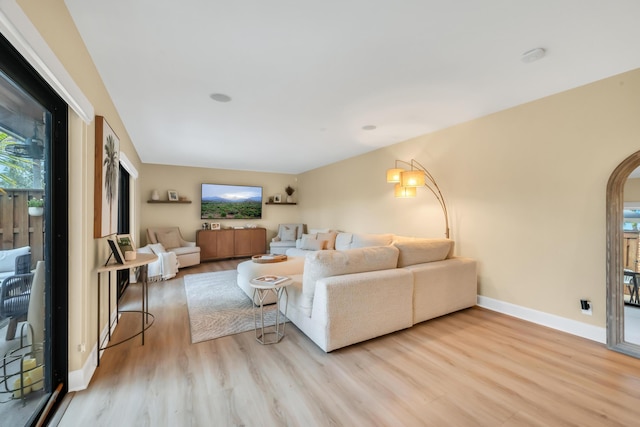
(155, 195)
(35, 211)
(289, 199)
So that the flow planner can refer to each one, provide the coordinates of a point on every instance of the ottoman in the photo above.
(248, 270)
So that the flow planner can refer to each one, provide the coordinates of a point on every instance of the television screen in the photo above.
(230, 202)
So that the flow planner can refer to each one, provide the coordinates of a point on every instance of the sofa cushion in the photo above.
(157, 248)
(323, 264)
(312, 244)
(330, 238)
(366, 240)
(288, 232)
(417, 251)
(8, 257)
(169, 239)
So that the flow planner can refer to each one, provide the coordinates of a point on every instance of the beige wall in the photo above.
(525, 189)
(632, 190)
(56, 26)
(186, 181)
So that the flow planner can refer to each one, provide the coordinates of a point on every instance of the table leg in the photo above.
(98, 325)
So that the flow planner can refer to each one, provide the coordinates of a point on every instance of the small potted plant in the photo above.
(36, 207)
(289, 190)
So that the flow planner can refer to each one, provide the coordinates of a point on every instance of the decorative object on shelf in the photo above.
(289, 190)
(115, 251)
(173, 195)
(270, 200)
(277, 198)
(107, 164)
(36, 207)
(155, 195)
(215, 226)
(417, 176)
(125, 243)
(205, 225)
(182, 198)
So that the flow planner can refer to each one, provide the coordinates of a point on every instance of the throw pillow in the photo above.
(288, 234)
(313, 244)
(330, 238)
(8, 257)
(169, 239)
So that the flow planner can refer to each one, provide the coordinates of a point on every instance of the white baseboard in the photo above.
(563, 324)
(80, 379)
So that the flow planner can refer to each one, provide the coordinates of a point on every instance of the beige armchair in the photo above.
(170, 237)
(286, 238)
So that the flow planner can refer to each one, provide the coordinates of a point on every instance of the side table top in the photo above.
(141, 259)
(270, 282)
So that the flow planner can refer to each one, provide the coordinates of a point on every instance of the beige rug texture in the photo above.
(218, 307)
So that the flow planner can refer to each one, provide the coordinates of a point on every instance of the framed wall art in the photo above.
(107, 170)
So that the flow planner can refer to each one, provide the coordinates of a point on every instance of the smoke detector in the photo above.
(533, 55)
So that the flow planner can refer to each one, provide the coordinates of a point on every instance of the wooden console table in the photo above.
(142, 260)
(231, 243)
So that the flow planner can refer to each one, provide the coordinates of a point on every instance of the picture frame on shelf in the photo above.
(173, 195)
(277, 198)
(115, 251)
(215, 226)
(125, 243)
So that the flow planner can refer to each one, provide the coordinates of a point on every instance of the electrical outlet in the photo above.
(586, 308)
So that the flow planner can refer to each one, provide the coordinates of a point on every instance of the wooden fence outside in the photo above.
(17, 227)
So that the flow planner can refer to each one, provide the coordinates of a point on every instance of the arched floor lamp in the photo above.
(407, 181)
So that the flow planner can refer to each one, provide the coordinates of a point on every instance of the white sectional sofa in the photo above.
(376, 284)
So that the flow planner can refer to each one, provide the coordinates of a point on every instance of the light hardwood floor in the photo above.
(471, 368)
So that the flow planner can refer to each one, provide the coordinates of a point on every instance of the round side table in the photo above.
(263, 286)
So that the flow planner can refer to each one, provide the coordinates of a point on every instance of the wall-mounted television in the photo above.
(220, 201)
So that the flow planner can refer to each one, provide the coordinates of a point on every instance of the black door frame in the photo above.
(56, 218)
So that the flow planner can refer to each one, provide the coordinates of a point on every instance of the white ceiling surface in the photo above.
(306, 76)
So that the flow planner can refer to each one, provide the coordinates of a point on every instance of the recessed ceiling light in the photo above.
(533, 55)
(368, 127)
(220, 97)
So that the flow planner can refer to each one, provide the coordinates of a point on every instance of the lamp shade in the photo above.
(414, 178)
(404, 192)
(393, 175)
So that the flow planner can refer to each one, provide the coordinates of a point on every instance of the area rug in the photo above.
(218, 307)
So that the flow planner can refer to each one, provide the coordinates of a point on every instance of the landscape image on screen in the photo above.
(231, 202)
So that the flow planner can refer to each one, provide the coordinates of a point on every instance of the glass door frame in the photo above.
(56, 219)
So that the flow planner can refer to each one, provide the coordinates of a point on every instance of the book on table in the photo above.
(271, 280)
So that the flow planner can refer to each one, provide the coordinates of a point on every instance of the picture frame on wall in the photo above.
(106, 176)
(277, 198)
(173, 195)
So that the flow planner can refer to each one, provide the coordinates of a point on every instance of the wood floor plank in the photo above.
(471, 368)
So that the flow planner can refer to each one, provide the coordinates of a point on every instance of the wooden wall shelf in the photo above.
(175, 202)
(283, 203)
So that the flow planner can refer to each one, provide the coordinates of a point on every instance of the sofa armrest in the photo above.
(360, 306)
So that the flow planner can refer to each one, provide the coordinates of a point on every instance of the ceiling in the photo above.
(305, 77)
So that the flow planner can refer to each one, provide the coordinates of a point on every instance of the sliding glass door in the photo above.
(33, 242)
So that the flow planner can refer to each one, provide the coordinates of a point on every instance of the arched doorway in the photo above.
(615, 263)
